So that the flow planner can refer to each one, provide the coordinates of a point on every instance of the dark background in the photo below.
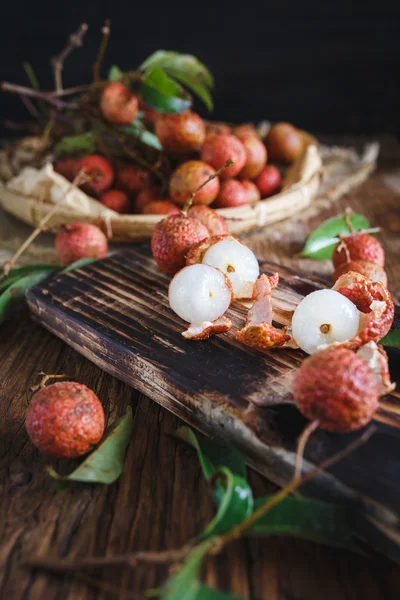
(325, 66)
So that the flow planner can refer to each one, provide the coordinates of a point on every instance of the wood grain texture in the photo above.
(161, 499)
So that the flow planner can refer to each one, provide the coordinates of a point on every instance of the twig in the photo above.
(301, 444)
(46, 96)
(105, 34)
(8, 265)
(189, 201)
(75, 41)
(45, 378)
(30, 107)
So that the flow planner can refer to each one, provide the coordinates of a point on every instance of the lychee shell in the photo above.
(360, 246)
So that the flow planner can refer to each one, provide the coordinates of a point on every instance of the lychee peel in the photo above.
(118, 104)
(215, 223)
(377, 359)
(160, 207)
(358, 246)
(80, 240)
(256, 157)
(207, 329)
(369, 269)
(219, 148)
(232, 193)
(188, 177)
(181, 133)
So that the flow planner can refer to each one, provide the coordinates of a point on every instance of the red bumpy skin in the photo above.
(253, 193)
(131, 178)
(268, 181)
(337, 388)
(80, 240)
(188, 177)
(369, 269)
(215, 223)
(65, 419)
(118, 104)
(358, 246)
(180, 134)
(99, 170)
(116, 200)
(219, 148)
(172, 239)
(67, 167)
(214, 128)
(284, 143)
(148, 194)
(161, 207)
(232, 193)
(256, 157)
(245, 131)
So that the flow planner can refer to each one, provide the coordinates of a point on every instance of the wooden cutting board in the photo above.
(116, 313)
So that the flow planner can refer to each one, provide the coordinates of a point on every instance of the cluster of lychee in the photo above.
(195, 150)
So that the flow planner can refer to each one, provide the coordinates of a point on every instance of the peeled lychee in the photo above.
(180, 134)
(337, 388)
(67, 167)
(132, 178)
(188, 177)
(118, 104)
(268, 181)
(116, 200)
(150, 193)
(200, 295)
(284, 142)
(253, 193)
(358, 246)
(161, 207)
(256, 157)
(172, 239)
(215, 223)
(369, 269)
(80, 240)
(322, 318)
(232, 193)
(218, 149)
(100, 172)
(65, 419)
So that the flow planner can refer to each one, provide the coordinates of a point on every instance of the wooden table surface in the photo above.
(161, 500)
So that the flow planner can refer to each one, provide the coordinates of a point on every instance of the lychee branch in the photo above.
(75, 41)
(105, 31)
(45, 96)
(189, 201)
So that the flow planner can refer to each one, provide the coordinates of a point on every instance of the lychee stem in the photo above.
(301, 444)
(189, 201)
(75, 41)
(105, 34)
(46, 377)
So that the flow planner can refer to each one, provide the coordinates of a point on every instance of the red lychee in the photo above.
(256, 157)
(188, 177)
(67, 167)
(219, 148)
(180, 134)
(284, 142)
(80, 240)
(118, 104)
(244, 131)
(232, 193)
(132, 178)
(100, 172)
(116, 200)
(214, 127)
(150, 193)
(172, 239)
(215, 223)
(268, 181)
(149, 115)
(337, 388)
(160, 207)
(358, 246)
(65, 419)
(371, 270)
(253, 193)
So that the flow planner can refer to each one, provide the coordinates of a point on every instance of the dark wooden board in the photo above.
(115, 312)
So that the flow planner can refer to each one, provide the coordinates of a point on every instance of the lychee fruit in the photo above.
(132, 178)
(358, 246)
(284, 142)
(116, 200)
(338, 389)
(256, 157)
(149, 115)
(100, 172)
(188, 177)
(118, 104)
(172, 238)
(232, 193)
(80, 240)
(218, 149)
(65, 419)
(215, 223)
(67, 167)
(369, 269)
(215, 127)
(180, 134)
(160, 207)
(253, 193)
(150, 193)
(244, 131)
(322, 318)
(200, 295)
(268, 181)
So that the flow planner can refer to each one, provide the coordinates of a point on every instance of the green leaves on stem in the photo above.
(391, 339)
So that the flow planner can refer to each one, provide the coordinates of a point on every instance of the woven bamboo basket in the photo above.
(300, 185)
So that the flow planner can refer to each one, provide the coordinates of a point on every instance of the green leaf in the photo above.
(84, 142)
(235, 506)
(308, 519)
(206, 593)
(105, 464)
(391, 339)
(30, 73)
(194, 85)
(322, 241)
(138, 130)
(163, 94)
(78, 264)
(184, 584)
(19, 272)
(17, 288)
(115, 73)
(184, 63)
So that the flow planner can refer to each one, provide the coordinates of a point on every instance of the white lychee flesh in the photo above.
(322, 318)
(199, 293)
(234, 259)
